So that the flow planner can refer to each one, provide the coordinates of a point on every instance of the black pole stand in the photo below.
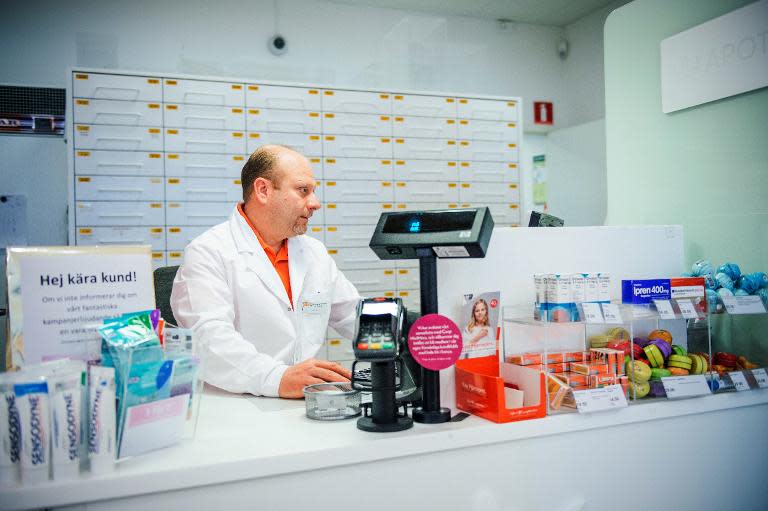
(430, 412)
(384, 417)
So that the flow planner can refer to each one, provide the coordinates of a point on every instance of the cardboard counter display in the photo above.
(265, 453)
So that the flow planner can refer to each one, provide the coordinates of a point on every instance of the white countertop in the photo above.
(242, 438)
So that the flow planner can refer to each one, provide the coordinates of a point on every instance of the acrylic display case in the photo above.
(606, 346)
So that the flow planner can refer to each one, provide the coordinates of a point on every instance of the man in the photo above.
(260, 293)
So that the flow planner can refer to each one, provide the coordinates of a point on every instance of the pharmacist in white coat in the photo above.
(260, 292)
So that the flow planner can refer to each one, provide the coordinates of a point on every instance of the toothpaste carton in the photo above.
(560, 306)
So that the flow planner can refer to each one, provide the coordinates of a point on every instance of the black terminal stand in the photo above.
(430, 412)
(384, 417)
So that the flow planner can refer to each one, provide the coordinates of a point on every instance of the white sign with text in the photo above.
(60, 295)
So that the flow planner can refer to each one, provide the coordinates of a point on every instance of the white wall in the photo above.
(576, 174)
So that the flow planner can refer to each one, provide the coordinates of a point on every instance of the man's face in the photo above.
(294, 199)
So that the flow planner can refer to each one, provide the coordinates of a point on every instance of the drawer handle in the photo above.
(126, 190)
(118, 215)
(132, 165)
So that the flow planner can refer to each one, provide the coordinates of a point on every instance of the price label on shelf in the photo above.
(592, 313)
(739, 380)
(598, 400)
(687, 309)
(664, 308)
(611, 313)
(761, 377)
(743, 305)
(685, 386)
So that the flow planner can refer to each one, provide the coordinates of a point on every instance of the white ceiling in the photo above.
(541, 12)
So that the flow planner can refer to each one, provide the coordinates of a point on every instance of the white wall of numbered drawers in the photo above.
(156, 159)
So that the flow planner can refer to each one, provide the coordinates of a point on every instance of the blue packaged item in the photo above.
(645, 291)
(702, 268)
(724, 281)
(184, 376)
(730, 269)
(751, 282)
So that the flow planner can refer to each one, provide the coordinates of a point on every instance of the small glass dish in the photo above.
(331, 401)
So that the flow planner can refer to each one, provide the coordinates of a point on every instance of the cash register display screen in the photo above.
(429, 222)
(379, 308)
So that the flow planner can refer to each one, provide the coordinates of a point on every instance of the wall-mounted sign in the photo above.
(543, 113)
(717, 59)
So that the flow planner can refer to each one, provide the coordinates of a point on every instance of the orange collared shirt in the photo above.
(279, 260)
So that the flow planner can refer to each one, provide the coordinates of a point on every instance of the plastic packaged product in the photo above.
(10, 431)
(33, 405)
(101, 419)
(184, 376)
(67, 430)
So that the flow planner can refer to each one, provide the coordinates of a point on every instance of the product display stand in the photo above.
(430, 412)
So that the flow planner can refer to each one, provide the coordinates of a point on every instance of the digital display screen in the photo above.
(429, 221)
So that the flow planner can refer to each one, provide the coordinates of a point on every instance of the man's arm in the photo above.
(203, 301)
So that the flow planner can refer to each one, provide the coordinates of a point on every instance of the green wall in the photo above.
(705, 167)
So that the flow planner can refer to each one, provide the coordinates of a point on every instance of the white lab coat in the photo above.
(229, 293)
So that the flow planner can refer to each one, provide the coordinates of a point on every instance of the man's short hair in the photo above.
(260, 164)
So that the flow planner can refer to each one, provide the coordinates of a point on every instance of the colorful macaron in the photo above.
(664, 335)
(679, 361)
(655, 356)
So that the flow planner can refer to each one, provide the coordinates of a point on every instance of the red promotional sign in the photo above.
(543, 113)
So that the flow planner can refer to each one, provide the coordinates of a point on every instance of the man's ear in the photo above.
(261, 189)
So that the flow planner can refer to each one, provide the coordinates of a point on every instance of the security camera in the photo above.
(277, 45)
(562, 49)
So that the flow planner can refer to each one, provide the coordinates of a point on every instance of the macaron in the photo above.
(657, 373)
(679, 361)
(598, 341)
(664, 335)
(618, 332)
(698, 364)
(666, 349)
(641, 341)
(656, 389)
(638, 371)
(639, 389)
(655, 357)
(679, 350)
(676, 371)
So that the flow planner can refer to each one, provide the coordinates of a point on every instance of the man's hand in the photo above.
(311, 371)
